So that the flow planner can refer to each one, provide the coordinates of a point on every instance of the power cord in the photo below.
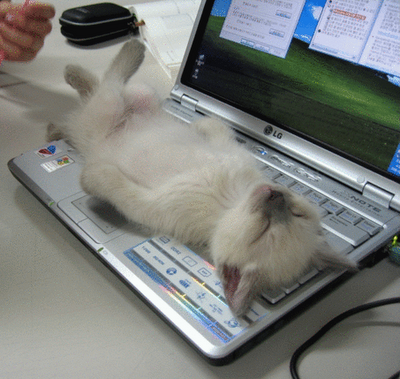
(296, 355)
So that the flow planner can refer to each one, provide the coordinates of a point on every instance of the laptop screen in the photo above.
(325, 70)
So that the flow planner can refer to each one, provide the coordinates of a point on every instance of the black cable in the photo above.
(395, 376)
(296, 355)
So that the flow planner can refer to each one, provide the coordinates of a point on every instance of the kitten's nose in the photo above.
(276, 196)
(277, 199)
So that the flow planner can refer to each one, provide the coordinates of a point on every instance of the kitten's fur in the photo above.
(193, 182)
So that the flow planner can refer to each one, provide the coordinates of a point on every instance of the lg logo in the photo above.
(269, 130)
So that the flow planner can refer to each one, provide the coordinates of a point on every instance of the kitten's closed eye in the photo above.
(298, 212)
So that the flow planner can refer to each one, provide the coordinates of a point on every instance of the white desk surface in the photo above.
(63, 314)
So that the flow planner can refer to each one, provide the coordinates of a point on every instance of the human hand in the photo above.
(23, 28)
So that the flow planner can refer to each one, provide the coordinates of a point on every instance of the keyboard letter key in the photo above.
(342, 228)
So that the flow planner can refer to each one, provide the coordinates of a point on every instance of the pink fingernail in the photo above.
(10, 17)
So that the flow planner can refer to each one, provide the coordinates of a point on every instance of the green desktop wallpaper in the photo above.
(344, 105)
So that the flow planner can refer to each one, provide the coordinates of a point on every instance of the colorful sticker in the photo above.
(47, 152)
(57, 163)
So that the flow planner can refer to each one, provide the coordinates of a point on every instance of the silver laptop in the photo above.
(312, 89)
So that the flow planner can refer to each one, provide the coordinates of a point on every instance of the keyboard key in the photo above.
(333, 207)
(370, 227)
(300, 188)
(344, 229)
(351, 217)
(289, 288)
(338, 244)
(273, 296)
(316, 198)
(308, 276)
(322, 212)
(256, 311)
(271, 172)
(284, 180)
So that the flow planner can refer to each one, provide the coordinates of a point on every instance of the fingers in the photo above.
(27, 23)
(33, 9)
(23, 29)
(18, 45)
(39, 11)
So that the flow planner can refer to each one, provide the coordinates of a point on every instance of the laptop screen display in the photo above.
(326, 70)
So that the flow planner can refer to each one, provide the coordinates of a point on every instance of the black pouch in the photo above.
(95, 23)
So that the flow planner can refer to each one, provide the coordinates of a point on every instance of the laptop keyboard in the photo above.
(344, 229)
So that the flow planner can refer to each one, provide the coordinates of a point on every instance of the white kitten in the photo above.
(193, 182)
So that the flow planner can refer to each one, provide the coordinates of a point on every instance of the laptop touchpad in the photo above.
(98, 219)
(104, 215)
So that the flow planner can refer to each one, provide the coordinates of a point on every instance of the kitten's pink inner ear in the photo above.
(238, 288)
(232, 279)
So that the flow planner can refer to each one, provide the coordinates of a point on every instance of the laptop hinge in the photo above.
(378, 195)
(189, 102)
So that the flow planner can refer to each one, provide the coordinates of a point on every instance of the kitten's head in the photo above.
(269, 239)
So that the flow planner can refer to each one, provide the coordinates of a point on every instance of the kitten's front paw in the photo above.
(214, 130)
(81, 80)
(101, 180)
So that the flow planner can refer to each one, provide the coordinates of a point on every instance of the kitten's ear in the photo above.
(327, 258)
(239, 287)
(81, 80)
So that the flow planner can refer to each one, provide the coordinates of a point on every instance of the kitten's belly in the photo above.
(151, 159)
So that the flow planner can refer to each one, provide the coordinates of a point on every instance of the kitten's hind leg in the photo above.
(126, 63)
(107, 109)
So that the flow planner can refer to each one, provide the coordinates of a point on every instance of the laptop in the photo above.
(312, 89)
